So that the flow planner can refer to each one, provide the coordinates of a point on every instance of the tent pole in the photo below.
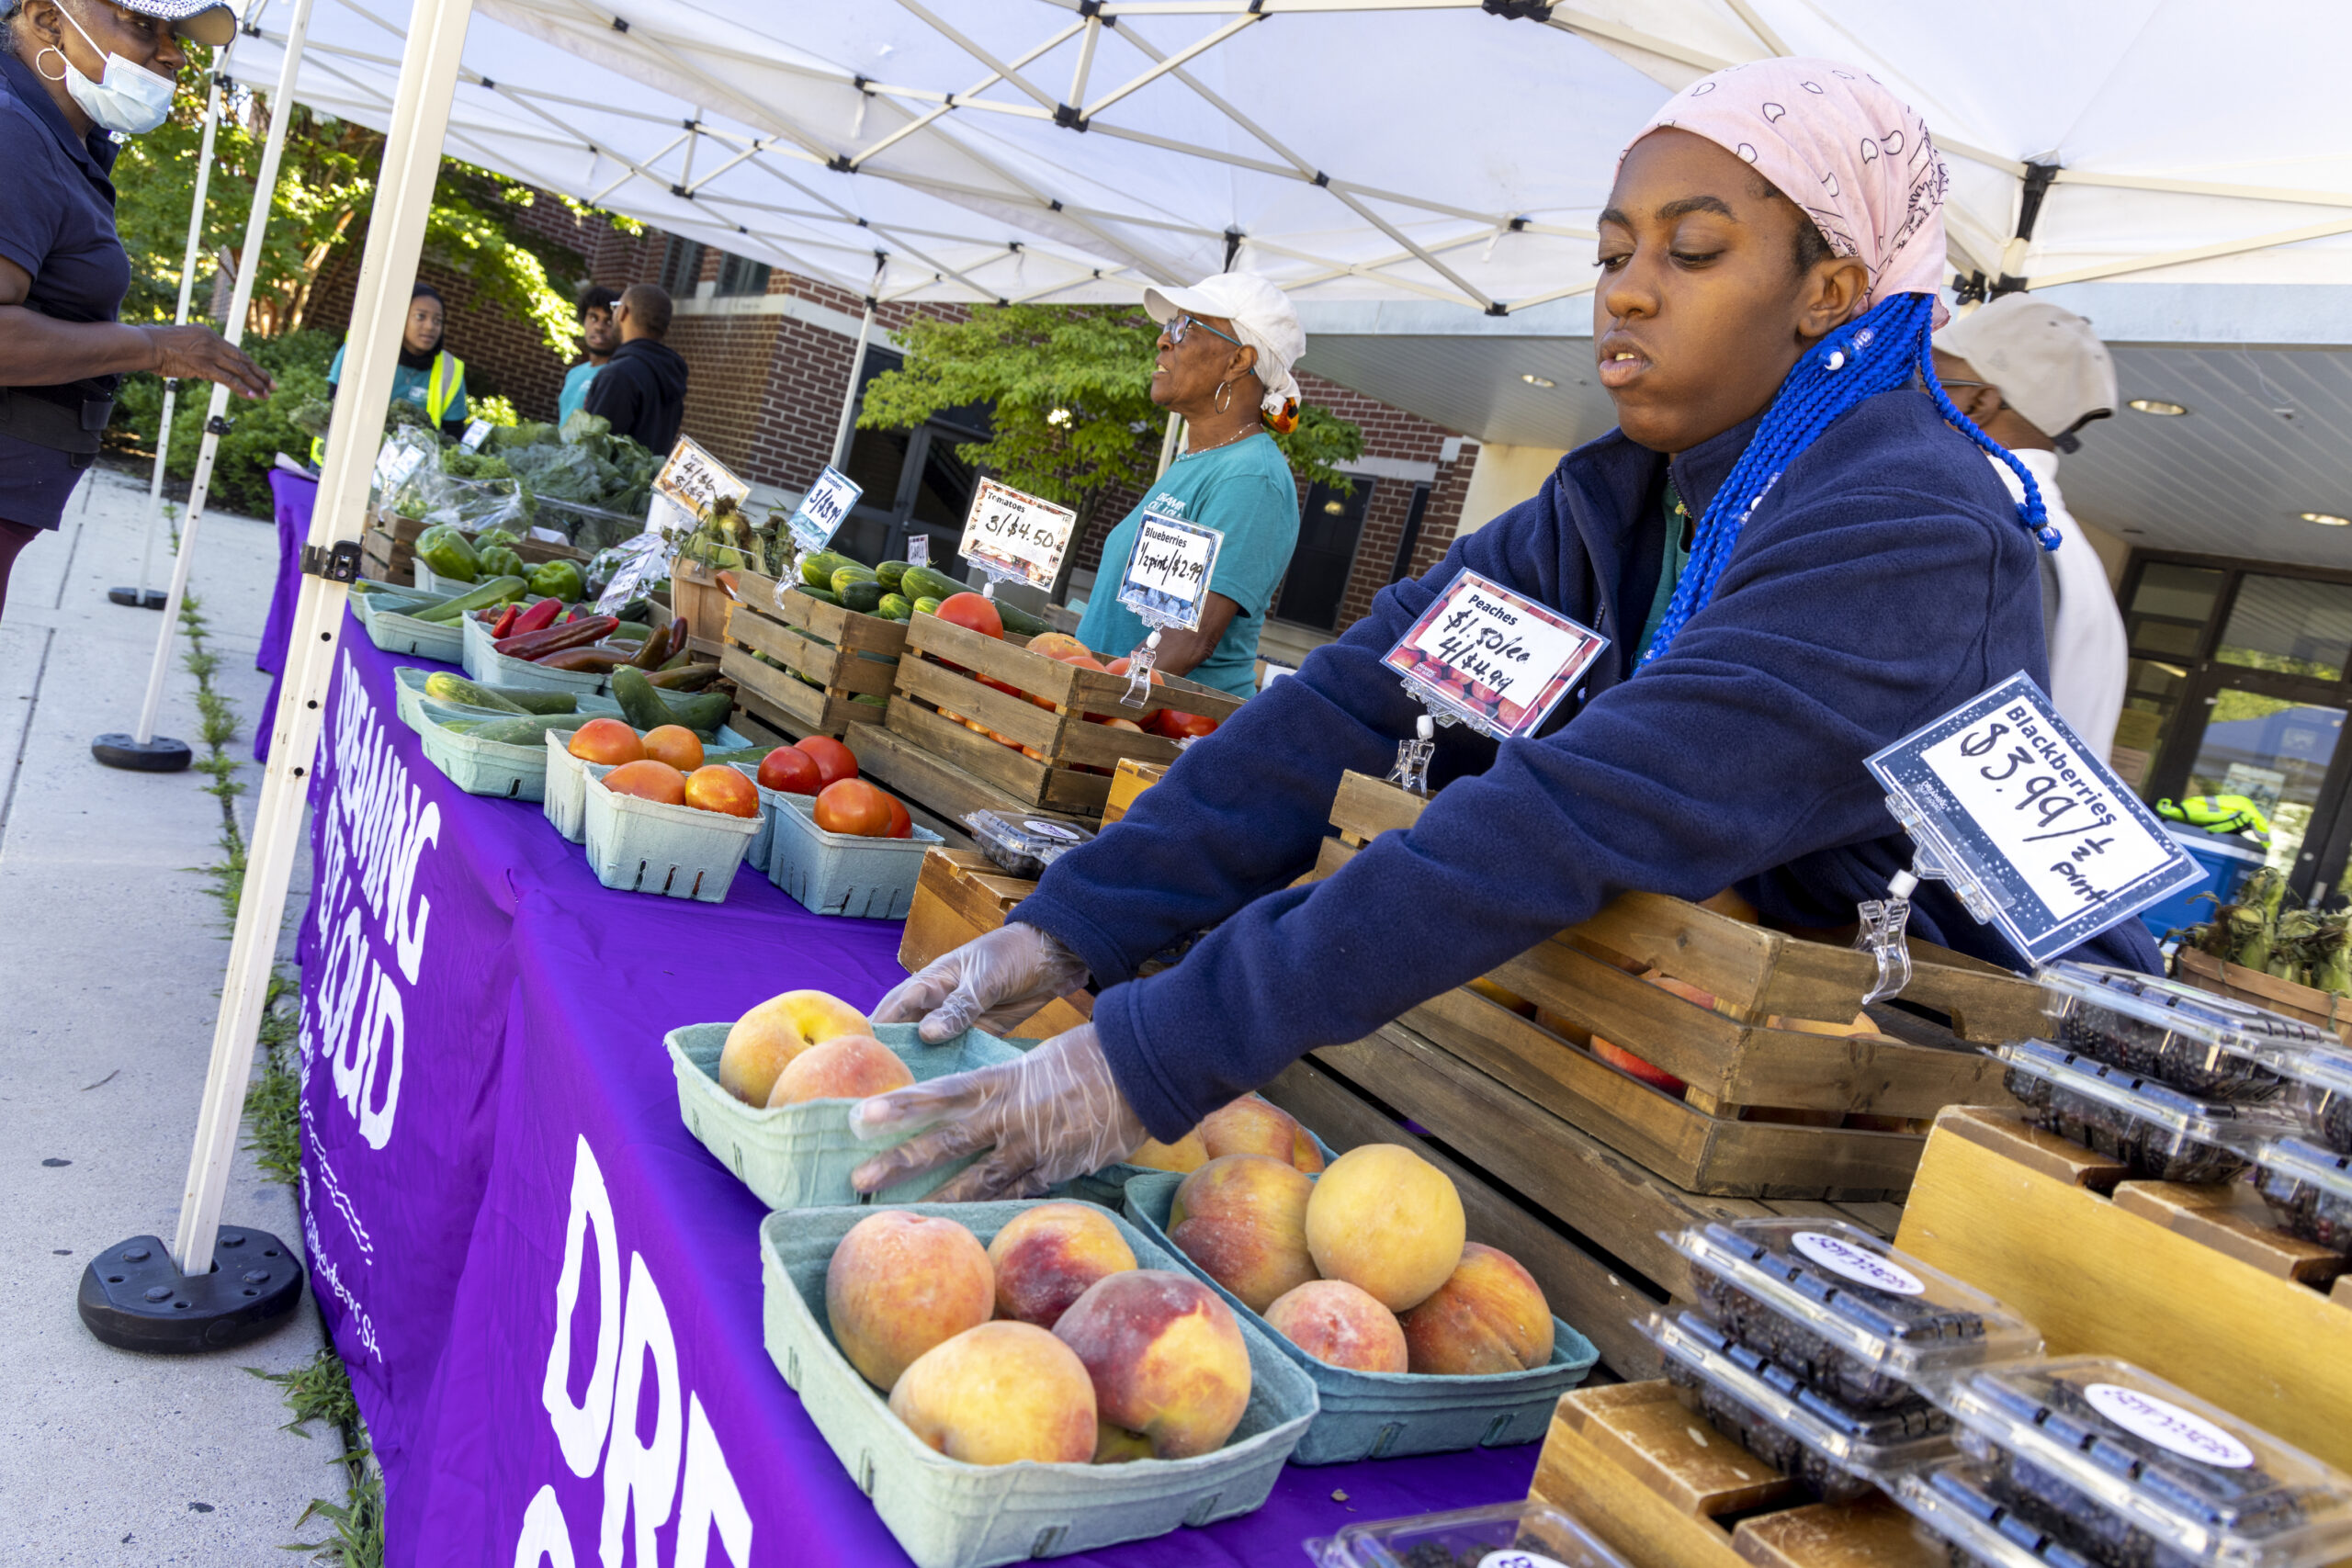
(142, 597)
(842, 432)
(142, 751)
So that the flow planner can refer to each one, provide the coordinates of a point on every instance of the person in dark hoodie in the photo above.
(642, 387)
(1799, 553)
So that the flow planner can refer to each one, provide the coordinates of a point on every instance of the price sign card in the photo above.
(2034, 834)
(694, 478)
(476, 434)
(1495, 660)
(1169, 571)
(642, 562)
(823, 510)
(917, 549)
(1008, 534)
(395, 461)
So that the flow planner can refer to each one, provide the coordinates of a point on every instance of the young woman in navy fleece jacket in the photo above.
(1876, 576)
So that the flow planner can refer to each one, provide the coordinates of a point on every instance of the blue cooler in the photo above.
(2227, 860)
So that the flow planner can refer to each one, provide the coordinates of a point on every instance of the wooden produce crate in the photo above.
(1767, 1109)
(2202, 969)
(700, 594)
(1056, 758)
(848, 655)
(926, 780)
(1661, 1485)
(959, 895)
(1128, 781)
(2186, 1282)
(388, 547)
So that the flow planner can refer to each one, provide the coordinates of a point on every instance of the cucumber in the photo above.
(870, 700)
(541, 702)
(444, 687)
(817, 570)
(844, 576)
(701, 710)
(1020, 622)
(629, 631)
(527, 730)
(890, 572)
(865, 597)
(641, 703)
(752, 755)
(922, 582)
(497, 590)
(895, 607)
(822, 595)
(926, 607)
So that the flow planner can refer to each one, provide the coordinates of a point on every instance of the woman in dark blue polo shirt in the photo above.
(74, 77)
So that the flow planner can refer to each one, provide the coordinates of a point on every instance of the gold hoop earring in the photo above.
(64, 64)
(1224, 398)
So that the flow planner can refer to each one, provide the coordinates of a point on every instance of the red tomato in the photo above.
(853, 806)
(1178, 724)
(791, 769)
(972, 613)
(834, 761)
(901, 824)
(648, 780)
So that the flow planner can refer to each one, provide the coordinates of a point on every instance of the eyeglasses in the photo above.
(1180, 324)
(1956, 381)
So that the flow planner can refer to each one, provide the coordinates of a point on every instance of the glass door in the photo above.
(2285, 753)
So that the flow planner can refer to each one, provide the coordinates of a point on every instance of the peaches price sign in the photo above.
(1010, 534)
(1492, 658)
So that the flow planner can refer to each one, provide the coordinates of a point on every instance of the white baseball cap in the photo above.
(2047, 362)
(1262, 317)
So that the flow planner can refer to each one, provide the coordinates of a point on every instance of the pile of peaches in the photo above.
(980, 616)
(1366, 1267)
(664, 764)
(806, 1045)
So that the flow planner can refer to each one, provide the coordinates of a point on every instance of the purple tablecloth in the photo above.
(513, 1234)
(294, 496)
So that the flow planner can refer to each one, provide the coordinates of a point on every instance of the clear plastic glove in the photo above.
(1054, 1114)
(998, 980)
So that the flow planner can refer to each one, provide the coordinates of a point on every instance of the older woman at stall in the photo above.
(1799, 553)
(74, 76)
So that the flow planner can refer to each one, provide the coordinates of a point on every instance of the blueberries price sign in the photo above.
(821, 510)
(2033, 833)
(1169, 571)
(1491, 658)
(1009, 535)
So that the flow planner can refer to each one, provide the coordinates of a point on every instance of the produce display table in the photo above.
(294, 496)
(513, 1235)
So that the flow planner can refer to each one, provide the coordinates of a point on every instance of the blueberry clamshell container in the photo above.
(1466, 1538)
(2310, 1189)
(2159, 1132)
(1837, 1453)
(2132, 1471)
(1842, 1309)
(2208, 1046)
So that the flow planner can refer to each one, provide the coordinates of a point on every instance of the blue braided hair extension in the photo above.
(1876, 353)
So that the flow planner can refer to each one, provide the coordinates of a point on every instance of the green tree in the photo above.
(1071, 390)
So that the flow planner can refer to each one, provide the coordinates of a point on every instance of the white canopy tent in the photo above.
(1370, 155)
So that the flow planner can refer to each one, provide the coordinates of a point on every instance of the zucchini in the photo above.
(497, 590)
(541, 702)
(640, 705)
(1020, 622)
(701, 710)
(817, 571)
(865, 597)
(444, 687)
(922, 582)
(527, 730)
(749, 755)
(889, 573)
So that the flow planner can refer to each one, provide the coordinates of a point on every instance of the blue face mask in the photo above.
(130, 99)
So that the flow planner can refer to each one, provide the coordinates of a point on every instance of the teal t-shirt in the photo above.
(1245, 491)
(575, 390)
(1677, 556)
(410, 385)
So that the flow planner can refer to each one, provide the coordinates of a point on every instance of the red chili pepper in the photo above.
(540, 615)
(506, 627)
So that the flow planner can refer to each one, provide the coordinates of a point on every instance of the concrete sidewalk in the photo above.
(109, 980)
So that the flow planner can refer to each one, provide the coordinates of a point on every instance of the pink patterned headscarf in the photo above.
(1854, 156)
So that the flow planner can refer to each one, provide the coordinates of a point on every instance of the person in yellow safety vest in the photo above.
(2220, 814)
(428, 375)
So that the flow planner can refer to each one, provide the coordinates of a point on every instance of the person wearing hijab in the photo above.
(75, 76)
(1224, 357)
(1799, 554)
(2031, 374)
(427, 375)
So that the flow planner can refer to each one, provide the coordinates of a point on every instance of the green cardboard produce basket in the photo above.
(481, 767)
(947, 1514)
(842, 874)
(486, 665)
(1391, 1414)
(566, 800)
(646, 846)
(1108, 1186)
(409, 682)
(799, 1157)
(407, 634)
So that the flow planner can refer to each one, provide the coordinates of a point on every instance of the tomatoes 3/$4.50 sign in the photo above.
(1169, 571)
(1010, 534)
(1495, 660)
(2033, 833)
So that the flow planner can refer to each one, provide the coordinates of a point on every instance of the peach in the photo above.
(1000, 1392)
(1386, 1220)
(1334, 1322)
(1045, 1258)
(851, 1068)
(1489, 1316)
(765, 1039)
(1303, 1153)
(1243, 1220)
(1248, 1126)
(900, 1284)
(1184, 1155)
(1116, 1445)
(1167, 1358)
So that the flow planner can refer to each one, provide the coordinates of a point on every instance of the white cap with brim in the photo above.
(1262, 317)
(2047, 362)
(208, 22)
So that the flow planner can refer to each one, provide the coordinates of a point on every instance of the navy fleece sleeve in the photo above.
(1854, 616)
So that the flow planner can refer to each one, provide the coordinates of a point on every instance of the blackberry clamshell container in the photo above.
(1839, 1453)
(1841, 1309)
(2309, 1189)
(2319, 1088)
(2134, 1473)
(1955, 1505)
(1025, 845)
(2208, 1046)
(1466, 1538)
(2162, 1134)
